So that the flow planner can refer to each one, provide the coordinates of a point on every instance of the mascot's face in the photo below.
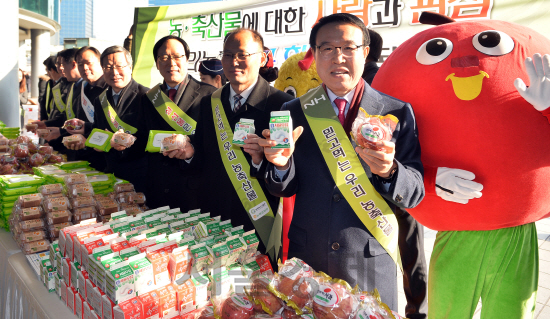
(295, 81)
(459, 79)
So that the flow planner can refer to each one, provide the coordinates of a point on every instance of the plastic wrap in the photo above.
(33, 224)
(30, 213)
(107, 208)
(124, 139)
(82, 201)
(367, 129)
(76, 190)
(56, 204)
(36, 246)
(50, 189)
(72, 179)
(125, 187)
(174, 142)
(58, 217)
(30, 200)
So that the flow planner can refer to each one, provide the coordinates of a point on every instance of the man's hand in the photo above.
(538, 92)
(79, 146)
(41, 124)
(380, 162)
(117, 146)
(54, 133)
(279, 156)
(81, 130)
(252, 147)
(183, 154)
(456, 185)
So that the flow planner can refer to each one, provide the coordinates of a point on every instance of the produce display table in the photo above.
(22, 294)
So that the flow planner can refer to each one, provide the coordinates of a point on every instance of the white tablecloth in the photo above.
(22, 294)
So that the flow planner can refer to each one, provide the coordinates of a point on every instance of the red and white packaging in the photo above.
(78, 301)
(180, 263)
(168, 300)
(150, 302)
(136, 241)
(76, 240)
(86, 310)
(82, 287)
(107, 306)
(89, 290)
(96, 303)
(94, 315)
(62, 236)
(130, 309)
(264, 264)
(119, 244)
(63, 288)
(66, 265)
(71, 292)
(89, 244)
(159, 258)
(146, 244)
(185, 294)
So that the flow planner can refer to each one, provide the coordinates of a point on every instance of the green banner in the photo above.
(170, 112)
(348, 173)
(248, 189)
(114, 121)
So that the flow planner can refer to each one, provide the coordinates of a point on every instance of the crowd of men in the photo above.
(98, 90)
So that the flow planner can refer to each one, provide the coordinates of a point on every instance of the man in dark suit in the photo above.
(247, 96)
(87, 59)
(328, 229)
(122, 99)
(46, 104)
(167, 183)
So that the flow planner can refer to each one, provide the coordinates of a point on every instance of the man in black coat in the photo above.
(124, 98)
(167, 183)
(89, 66)
(327, 229)
(46, 102)
(247, 96)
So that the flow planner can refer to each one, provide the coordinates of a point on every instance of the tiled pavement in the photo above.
(543, 296)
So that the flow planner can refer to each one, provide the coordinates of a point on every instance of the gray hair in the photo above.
(115, 49)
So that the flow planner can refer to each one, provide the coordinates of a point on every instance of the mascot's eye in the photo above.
(493, 43)
(434, 51)
(290, 90)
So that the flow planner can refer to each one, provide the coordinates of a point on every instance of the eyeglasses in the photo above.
(240, 56)
(111, 68)
(166, 57)
(88, 63)
(327, 50)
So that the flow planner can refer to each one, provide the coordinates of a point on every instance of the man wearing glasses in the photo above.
(346, 229)
(246, 96)
(117, 108)
(173, 105)
(87, 59)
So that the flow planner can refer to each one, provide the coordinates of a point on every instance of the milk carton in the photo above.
(143, 273)
(280, 129)
(150, 302)
(242, 129)
(107, 306)
(180, 263)
(120, 282)
(168, 301)
(185, 293)
(130, 309)
(127, 253)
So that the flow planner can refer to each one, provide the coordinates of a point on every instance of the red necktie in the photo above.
(172, 94)
(341, 105)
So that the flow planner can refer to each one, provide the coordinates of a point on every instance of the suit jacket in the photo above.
(168, 184)
(57, 119)
(325, 232)
(42, 100)
(96, 159)
(130, 164)
(218, 196)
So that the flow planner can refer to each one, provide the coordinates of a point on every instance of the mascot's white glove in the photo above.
(538, 93)
(456, 185)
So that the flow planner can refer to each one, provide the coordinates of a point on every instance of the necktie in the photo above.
(115, 98)
(172, 94)
(341, 105)
(237, 105)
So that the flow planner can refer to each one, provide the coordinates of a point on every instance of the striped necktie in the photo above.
(237, 103)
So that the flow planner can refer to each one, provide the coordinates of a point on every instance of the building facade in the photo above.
(76, 19)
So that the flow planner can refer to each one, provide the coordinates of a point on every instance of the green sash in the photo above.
(56, 91)
(170, 112)
(268, 226)
(114, 121)
(348, 173)
(69, 109)
(48, 99)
